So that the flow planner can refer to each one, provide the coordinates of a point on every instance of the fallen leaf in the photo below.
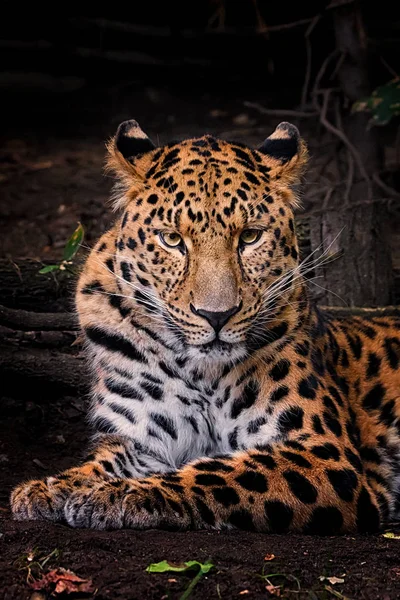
(390, 535)
(62, 581)
(274, 590)
(332, 580)
(269, 557)
(244, 592)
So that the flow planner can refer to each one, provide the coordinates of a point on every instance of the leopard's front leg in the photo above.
(113, 457)
(315, 490)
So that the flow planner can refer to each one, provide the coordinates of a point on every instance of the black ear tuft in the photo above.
(283, 144)
(130, 140)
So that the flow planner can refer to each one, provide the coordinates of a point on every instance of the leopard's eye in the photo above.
(172, 240)
(250, 236)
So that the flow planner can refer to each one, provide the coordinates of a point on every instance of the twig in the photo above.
(320, 75)
(111, 55)
(187, 33)
(290, 25)
(138, 57)
(389, 68)
(350, 170)
(341, 135)
(350, 178)
(275, 112)
(306, 83)
(338, 65)
(122, 26)
(318, 192)
(327, 197)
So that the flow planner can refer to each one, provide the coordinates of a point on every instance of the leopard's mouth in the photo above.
(216, 345)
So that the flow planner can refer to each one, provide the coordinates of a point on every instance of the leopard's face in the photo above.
(207, 244)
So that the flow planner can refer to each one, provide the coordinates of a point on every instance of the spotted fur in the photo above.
(221, 396)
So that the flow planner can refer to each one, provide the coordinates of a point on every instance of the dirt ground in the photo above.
(51, 178)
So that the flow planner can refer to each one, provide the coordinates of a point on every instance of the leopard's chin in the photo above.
(219, 352)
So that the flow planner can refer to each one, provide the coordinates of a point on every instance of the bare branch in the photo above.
(307, 77)
(273, 112)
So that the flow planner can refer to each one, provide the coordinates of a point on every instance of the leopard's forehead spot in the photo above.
(198, 160)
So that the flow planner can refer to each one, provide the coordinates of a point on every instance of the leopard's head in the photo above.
(206, 241)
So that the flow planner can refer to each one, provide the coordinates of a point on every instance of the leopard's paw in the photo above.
(37, 501)
(44, 500)
(100, 507)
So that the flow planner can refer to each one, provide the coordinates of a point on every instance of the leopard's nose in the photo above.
(216, 319)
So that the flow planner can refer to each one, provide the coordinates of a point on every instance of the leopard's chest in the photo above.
(224, 417)
(181, 416)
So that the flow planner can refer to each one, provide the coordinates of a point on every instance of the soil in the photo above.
(51, 178)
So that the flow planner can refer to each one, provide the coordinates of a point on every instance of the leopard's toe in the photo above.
(98, 508)
(34, 501)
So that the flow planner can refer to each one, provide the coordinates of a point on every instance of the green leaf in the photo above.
(191, 565)
(391, 535)
(164, 566)
(72, 246)
(383, 103)
(50, 268)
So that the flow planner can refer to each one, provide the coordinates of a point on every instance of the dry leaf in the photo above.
(274, 590)
(217, 113)
(39, 165)
(269, 557)
(62, 581)
(332, 580)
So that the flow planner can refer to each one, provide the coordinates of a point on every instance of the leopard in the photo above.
(221, 396)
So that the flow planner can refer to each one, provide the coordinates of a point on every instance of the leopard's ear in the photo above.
(285, 154)
(131, 140)
(128, 150)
